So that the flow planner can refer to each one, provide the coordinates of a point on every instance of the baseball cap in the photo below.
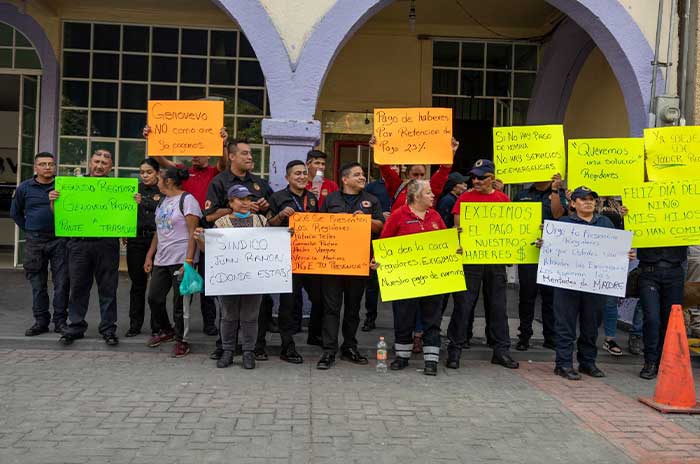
(239, 191)
(482, 167)
(582, 192)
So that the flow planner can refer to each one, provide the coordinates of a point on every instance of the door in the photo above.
(27, 143)
(353, 151)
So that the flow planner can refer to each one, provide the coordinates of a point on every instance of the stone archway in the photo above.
(295, 85)
(48, 116)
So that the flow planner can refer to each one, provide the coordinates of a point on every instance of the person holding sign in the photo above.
(412, 218)
(335, 288)
(397, 188)
(92, 259)
(493, 277)
(31, 211)
(295, 198)
(554, 205)
(238, 312)
(201, 173)
(137, 247)
(176, 217)
(240, 157)
(571, 306)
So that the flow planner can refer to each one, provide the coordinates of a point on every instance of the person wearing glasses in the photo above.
(31, 211)
(492, 276)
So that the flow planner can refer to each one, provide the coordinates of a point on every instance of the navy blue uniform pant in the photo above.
(570, 307)
(42, 252)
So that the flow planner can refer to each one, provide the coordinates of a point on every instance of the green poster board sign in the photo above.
(95, 207)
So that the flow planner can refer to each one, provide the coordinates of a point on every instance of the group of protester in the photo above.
(176, 204)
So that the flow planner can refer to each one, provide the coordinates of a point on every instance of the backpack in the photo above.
(182, 201)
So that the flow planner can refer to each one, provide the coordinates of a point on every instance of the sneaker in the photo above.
(649, 371)
(181, 349)
(611, 347)
(162, 337)
(259, 355)
(634, 345)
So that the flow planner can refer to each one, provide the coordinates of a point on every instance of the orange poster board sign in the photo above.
(413, 136)
(185, 128)
(334, 244)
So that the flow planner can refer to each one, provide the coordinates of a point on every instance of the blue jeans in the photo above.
(637, 320)
(659, 289)
(610, 316)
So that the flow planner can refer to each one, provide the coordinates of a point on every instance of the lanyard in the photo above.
(296, 202)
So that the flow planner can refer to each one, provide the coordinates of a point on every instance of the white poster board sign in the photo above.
(247, 260)
(586, 258)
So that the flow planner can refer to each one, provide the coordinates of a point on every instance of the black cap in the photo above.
(583, 192)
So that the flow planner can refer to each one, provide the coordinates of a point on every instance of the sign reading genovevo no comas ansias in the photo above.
(413, 136)
(185, 128)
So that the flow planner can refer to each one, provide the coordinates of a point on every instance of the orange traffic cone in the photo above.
(675, 389)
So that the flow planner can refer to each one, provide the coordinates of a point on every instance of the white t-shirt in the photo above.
(171, 228)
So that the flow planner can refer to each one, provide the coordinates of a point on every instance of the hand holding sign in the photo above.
(413, 136)
(673, 153)
(191, 128)
(528, 153)
(95, 207)
(606, 165)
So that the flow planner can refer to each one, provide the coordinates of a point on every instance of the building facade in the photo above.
(295, 74)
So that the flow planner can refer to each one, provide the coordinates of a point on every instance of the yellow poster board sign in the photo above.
(529, 153)
(418, 265)
(663, 214)
(413, 136)
(500, 233)
(185, 128)
(673, 153)
(606, 165)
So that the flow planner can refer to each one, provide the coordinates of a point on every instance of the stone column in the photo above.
(289, 139)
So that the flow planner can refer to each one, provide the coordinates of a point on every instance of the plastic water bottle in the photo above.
(381, 356)
(317, 181)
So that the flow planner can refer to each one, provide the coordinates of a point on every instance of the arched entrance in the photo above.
(295, 85)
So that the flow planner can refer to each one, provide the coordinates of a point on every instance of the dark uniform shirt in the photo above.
(306, 203)
(597, 221)
(339, 202)
(217, 195)
(146, 217)
(31, 209)
(542, 196)
(670, 255)
(378, 189)
(444, 208)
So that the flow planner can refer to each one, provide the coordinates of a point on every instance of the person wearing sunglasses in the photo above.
(492, 276)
